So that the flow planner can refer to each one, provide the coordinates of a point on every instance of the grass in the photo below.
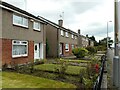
(76, 61)
(16, 80)
(51, 67)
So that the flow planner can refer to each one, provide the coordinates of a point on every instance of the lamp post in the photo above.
(107, 35)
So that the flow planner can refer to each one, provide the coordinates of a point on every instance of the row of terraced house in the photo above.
(23, 37)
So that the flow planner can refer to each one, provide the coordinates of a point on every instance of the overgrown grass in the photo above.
(51, 67)
(16, 80)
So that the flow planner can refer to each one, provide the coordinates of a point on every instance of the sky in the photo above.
(90, 16)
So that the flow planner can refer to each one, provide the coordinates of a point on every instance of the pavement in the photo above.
(108, 76)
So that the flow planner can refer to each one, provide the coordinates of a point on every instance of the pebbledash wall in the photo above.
(27, 36)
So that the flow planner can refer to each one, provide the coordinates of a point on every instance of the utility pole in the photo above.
(116, 69)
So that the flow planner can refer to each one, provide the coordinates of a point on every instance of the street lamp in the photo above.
(107, 34)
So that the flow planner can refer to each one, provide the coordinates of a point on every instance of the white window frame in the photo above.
(73, 46)
(24, 43)
(67, 47)
(66, 34)
(62, 32)
(22, 21)
(72, 36)
(75, 37)
(37, 23)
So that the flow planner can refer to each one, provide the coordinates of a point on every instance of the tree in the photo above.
(103, 42)
(93, 39)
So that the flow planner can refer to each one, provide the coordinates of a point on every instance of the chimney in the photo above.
(79, 31)
(60, 22)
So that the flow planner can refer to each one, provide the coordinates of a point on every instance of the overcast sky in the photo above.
(90, 17)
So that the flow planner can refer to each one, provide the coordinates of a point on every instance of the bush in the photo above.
(92, 50)
(80, 52)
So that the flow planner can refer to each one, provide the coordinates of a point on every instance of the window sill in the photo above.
(19, 56)
(37, 30)
(19, 25)
(62, 35)
(66, 51)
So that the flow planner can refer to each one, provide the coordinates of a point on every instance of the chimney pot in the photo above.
(78, 31)
(60, 22)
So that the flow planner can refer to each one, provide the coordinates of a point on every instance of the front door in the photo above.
(36, 51)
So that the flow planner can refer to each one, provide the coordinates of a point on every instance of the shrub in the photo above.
(80, 52)
(92, 50)
(61, 69)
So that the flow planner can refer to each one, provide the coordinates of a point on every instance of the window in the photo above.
(66, 47)
(75, 37)
(72, 36)
(19, 48)
(73, 47)
(20, 21)
(66, 34)
(36, 26)
(62, 33)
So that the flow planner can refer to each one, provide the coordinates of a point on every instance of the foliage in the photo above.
(61, 69)
(103, 42)
(92, 50)
(101, 48)
(89, 75)
(75, 61)
(73, 70)
(80, 52)
(39, 61)
(16, 80)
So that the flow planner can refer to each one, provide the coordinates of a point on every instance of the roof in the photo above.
(57, 26)
(11, 7)
(43, 20)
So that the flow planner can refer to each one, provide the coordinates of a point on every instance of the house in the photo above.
(23, 37)
(61, 41)
(91, 43)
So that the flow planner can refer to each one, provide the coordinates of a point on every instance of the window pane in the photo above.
(36, 25)
(20, 20)
(17, 19)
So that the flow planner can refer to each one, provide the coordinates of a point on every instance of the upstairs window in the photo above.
(66, 34)
(75, 37)
(72, 36)
(20, 21)
(66, 47)
(62, 33)
(36, 26)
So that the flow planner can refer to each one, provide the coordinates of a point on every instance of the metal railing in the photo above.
(97, 85)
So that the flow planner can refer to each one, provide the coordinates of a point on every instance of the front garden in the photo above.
(56, 73)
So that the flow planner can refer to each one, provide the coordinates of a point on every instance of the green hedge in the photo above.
(80, 52)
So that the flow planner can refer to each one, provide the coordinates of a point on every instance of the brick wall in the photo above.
(68, 53)
(7, 53)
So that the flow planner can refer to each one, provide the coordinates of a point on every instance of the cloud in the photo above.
(89, 16)
(18, 3)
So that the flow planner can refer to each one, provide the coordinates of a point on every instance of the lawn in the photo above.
(16, 80)
(74, 70)
(75, 61)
